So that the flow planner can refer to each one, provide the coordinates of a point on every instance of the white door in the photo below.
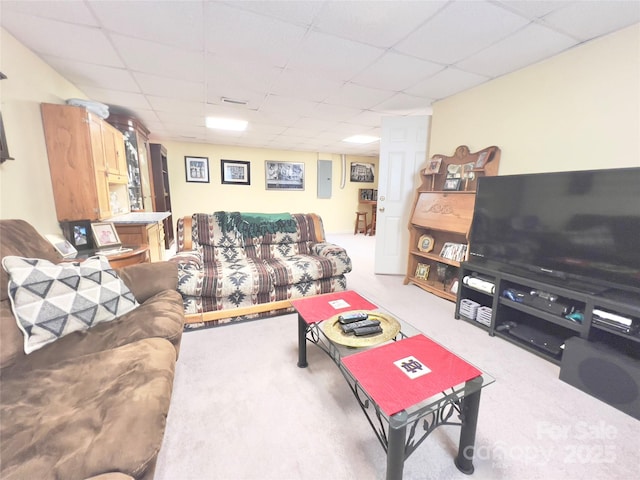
(403, 150)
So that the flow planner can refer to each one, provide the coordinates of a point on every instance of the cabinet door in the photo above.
(114, 154)
(72, 151)
(102, 200)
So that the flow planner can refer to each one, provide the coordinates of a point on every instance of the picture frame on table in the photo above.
(62, 246)
(284, 175)
(78, 233)
(235, 172)
(452, 184)
(422, 271)
(105, 235)
(196, 169)
(425, 243)
(433, 166)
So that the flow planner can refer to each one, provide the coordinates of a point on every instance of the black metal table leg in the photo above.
(469, 409)
(302, 342)
(396, 445)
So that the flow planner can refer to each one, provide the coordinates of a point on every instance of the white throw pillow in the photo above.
(52, 300)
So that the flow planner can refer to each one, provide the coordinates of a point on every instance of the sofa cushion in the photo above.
(76, 419)
(51, 301)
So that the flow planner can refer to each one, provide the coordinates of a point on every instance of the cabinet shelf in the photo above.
(436, 258)
(557, 320)
(530, 348)
(437, 288)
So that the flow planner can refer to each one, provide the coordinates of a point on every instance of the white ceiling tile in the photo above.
(533, 9)
(335, 112)
(403, 104)
(326, 55)
(165, 104)
(459, 30)
(127, 100)
(444, 83)
(299, 84)
(394, 71)
(585, 20)
(261, 40)
(170, 87)
(62, 39)
(525, 47)
(298, 12)
(381, 24)
(179, 24)
(150, 57)
(355, 96)
(69, 12)
(83, 74)
(278, 103)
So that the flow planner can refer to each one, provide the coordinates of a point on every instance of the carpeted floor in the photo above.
(243, 410)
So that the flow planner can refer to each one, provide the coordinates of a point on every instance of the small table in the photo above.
(137, 254)
(407, 380)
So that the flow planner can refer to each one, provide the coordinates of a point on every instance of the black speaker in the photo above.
(603, 372)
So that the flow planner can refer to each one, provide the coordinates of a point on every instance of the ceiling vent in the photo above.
(233, 101)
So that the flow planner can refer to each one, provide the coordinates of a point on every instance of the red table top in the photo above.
(391, 384)
(322, 307)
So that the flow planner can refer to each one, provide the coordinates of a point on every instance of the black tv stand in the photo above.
(545, 326)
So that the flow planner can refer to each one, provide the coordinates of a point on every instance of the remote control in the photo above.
(352, 317)
(350, 327)
(368, 330)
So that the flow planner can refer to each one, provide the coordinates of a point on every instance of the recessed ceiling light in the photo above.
(361, 139)
(227, 124)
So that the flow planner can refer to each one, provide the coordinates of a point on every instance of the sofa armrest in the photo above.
(326, 249)
(190, 272)
(148, 279)
(111, 476)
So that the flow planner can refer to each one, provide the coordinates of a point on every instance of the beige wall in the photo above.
(578, 110)
(338, 212)
(25, 183)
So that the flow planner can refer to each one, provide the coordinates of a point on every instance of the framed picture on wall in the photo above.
(284, 175)
(362, 172)
(197, 169)
(235, 172)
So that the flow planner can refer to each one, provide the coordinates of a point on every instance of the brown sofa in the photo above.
(94, 402)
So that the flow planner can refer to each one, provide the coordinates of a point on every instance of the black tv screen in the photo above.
(582, 226)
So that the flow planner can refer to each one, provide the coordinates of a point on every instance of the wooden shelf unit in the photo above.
(162, 197)
(445, 216)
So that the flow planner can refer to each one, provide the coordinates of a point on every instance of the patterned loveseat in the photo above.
(236, 265)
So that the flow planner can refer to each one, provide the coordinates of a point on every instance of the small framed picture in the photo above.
(362, 172)
(78, 233)
(62, 245)
(425, 243)
(197, 169)
(452, 184)
(482, 160)
(105, 235)
(433, 167)
(422, 271)
(235, 172)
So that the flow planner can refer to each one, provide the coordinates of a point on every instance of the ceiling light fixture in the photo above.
(361, 139)
(227, 124)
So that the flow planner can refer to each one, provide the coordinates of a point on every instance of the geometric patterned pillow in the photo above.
(52, 300)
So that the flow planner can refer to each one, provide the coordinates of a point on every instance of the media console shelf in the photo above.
(543, 321)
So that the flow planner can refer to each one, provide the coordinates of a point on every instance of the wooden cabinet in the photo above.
(85, 161)
(150, 234)
(441, 218)
(162, 199)
(136, 150)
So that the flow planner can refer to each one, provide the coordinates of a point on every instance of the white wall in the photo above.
(579, 110)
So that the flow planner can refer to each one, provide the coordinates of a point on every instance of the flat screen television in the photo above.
(581, 228)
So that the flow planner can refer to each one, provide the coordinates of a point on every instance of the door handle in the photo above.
(381, 209)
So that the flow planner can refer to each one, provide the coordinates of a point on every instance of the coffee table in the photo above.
(405, 381)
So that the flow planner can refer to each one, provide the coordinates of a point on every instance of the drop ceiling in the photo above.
(311, 72)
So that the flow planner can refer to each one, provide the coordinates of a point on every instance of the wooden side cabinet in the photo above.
(162, 199)
(85, 160)
(150, 234)
(441, 218)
